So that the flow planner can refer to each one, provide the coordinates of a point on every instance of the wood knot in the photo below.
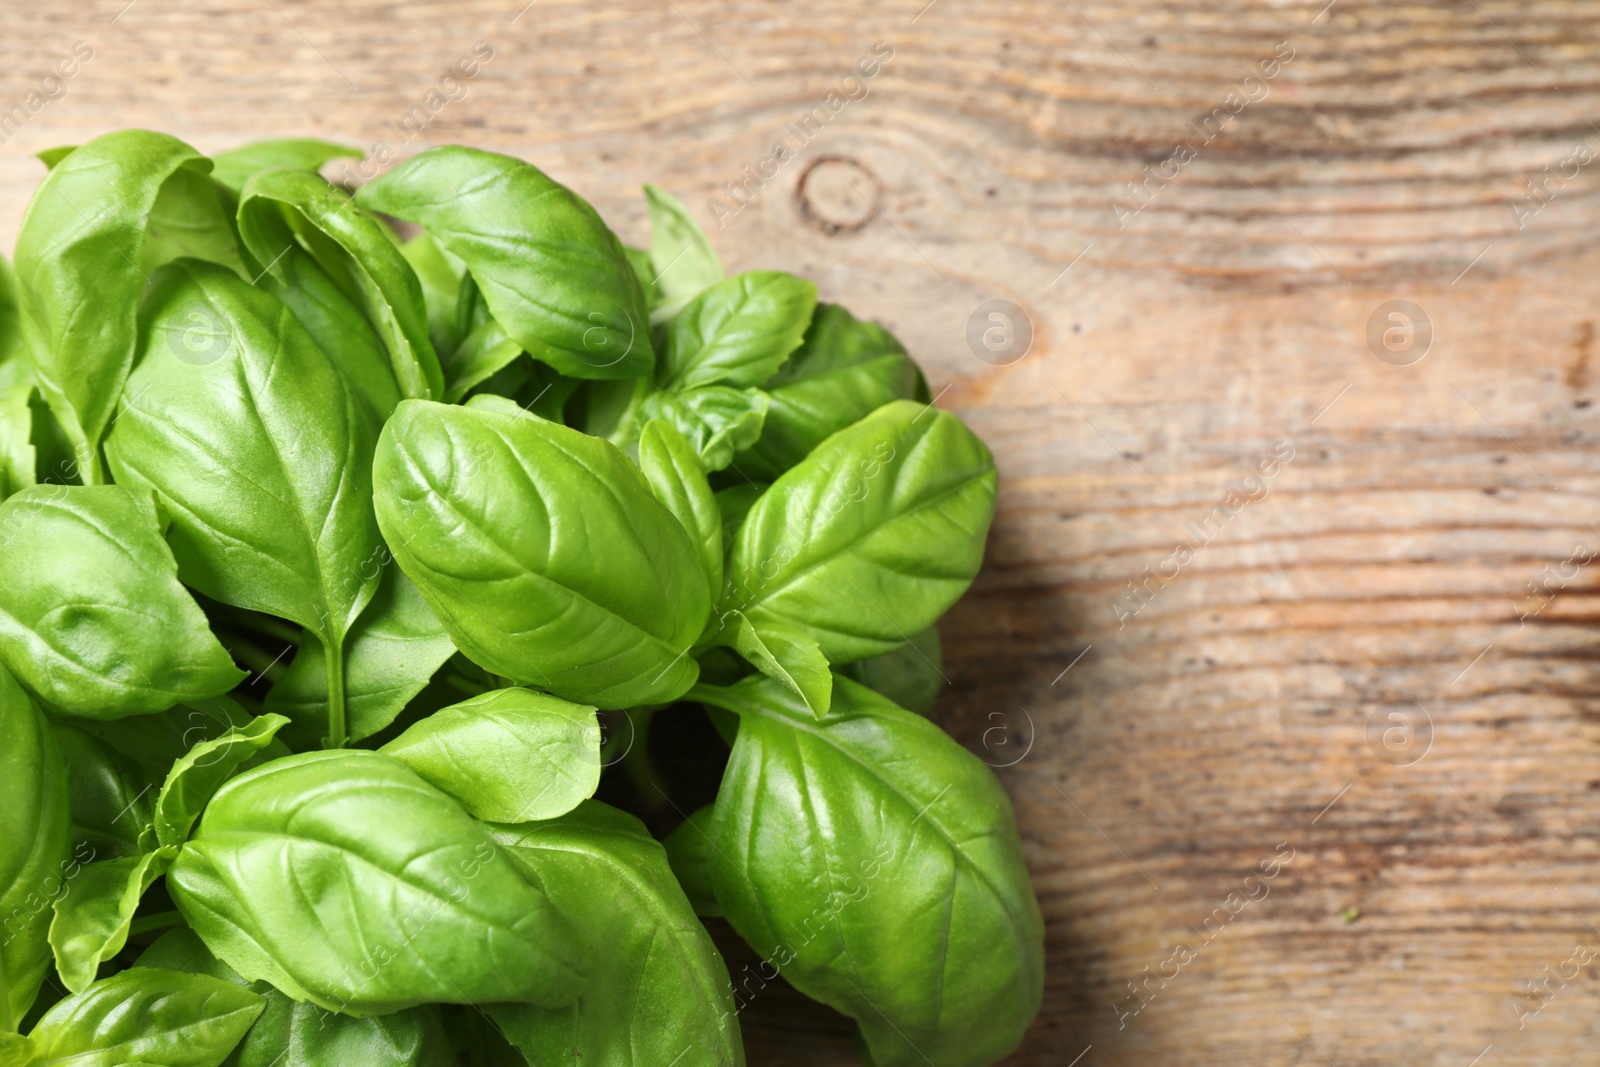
(837, 195)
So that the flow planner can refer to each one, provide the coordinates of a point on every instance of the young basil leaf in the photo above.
(190, 218)
(550, 271)
(672, 468)
(872, 537)
(108, 796)
(18, 458)
(510, 755)
(911, 675)
(279, 209)
(92, 918)
(681, 258)
(542, 552)
(343, 878)
(483, 352)
(786, 654)
(659, 992)
(260, 452)
(846, 369)
(51, 156)
(689, 851)
(876, 864)
(393, 649)
(232, 168)
(34, 843)
(201, 772)
(293, 1034)
(338, 326)
(440, 274)
(146, 1014)
(718, 421)
(80, 264)
(738, 332)
(92, 617)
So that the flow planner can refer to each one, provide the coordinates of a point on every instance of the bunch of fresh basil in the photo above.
(270, 800)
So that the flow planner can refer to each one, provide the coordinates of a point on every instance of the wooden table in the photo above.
(1346, 667)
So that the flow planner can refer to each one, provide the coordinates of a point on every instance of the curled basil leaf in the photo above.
(717, 420)
(343, 878)
(92, 918)
(510, 755)
(875, 863)
(738, 332)
(548, 268)
(232, 168)
(872, 537)
(659, 992)
(92, 616)
(542, 551)
(201, 772)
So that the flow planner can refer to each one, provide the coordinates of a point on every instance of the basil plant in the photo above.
(430, 628)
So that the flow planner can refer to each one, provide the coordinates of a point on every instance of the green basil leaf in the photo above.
(876, 863)
(51, 156)
(659, 992)
(681, 258)
(550, 271)
(343, 878)
(738, 332)
(18, 458)
(393, 649)
(542, 551)
(92, 918)
(911, 675)
(483, 352)
(289, 1033)
(734, 503)
(279, 209)
(673, 470)
(201, 772)
(10, 314)
(639, 260)
(846, 369)
(872, 537)
(35, 863)
(79, 264)
(718, 421)
(510, 755)
(92, 617)
(155, 742)
(232, 168)
(109, 797)
(441, 275)
(150, 1015)
(191, 218)
(261, 453)
(787, 655)
(689, 851)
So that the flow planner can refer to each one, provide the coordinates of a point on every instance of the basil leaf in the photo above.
(232, 168)
(911, 675)
(281, 208)
(343, 878)
(659, 992)
(672, 468)
(680, 256)
(108, 796)
(510, 755)
(155, 742)
(92, 919)
(392, 650)
(80, 266)
(846, 369)
(738, 332)
(150, 1015)
(261, 454)
(201, 772)
(190, 218)
(293, 1034)
(717, 421)
(92, 617)
(734, 503)
(10, 314)
(542, 552)
(872, 537)
(51, 156)
(875, 862)
(18, 458)
(639, 260)
(550, 271)
(689, 851)
(34, 859)
(785, 654)
(440, 274)
(483, 352)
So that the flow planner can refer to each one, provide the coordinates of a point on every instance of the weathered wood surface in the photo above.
(1387, 563)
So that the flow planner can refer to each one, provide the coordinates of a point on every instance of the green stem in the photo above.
(335, 657)
(160, 920)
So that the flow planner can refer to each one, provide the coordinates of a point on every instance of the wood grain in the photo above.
(1384, 569)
